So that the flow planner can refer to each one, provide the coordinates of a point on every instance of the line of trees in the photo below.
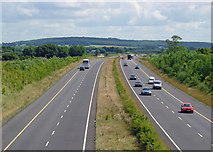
(187, 66)
(46, 50)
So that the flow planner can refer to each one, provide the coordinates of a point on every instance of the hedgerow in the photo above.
(140, 125)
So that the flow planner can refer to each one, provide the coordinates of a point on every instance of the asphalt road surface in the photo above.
(59, 119)
(184, 131)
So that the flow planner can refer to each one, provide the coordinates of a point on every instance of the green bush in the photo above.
(140, 125)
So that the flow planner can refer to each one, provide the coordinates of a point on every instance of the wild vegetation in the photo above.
(140, 126)
(187, 66)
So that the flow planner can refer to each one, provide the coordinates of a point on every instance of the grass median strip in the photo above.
(112, 123)
(140, 126)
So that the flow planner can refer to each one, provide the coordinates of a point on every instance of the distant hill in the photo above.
(87, 41)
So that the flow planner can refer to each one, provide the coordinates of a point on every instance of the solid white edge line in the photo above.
(149, 111)
(90, 105)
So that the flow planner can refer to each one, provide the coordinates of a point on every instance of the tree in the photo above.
(97, 52)
(29, 51)
(9, 56)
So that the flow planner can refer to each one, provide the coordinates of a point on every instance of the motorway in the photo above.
(184, 131)
(61, 118)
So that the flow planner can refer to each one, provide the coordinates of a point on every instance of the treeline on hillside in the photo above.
(187, 66)
(46, 50)
(87, 41)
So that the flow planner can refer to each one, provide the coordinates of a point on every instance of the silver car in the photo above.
(146, 91)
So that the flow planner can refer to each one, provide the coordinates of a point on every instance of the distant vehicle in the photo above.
(86, 63)
(157, 84)
(187, 107)
(146, 91)
(151, 80)
(82, 68)
(129, 56)
(122, 57)
(133, 77)
(125, 64)
(138, 84)
(137, 67)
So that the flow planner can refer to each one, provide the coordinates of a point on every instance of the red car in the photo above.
(187, 107)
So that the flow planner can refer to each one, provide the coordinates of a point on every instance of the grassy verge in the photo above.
(112, 129)
(14, 101)
(194, 92)
(140, 126)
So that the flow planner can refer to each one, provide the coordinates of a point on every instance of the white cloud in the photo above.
(157, 14)
(29, 12)
(107, 18)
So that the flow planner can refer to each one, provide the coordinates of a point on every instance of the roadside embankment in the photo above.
(192, 91)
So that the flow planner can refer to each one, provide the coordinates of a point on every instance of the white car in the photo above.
(151, 80)
(157, 84)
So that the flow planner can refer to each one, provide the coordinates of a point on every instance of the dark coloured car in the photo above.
(146, 91)
(82, 68)
(137, 67)
(138, 84)
(133, 77)
(187, 107)
(125, 64)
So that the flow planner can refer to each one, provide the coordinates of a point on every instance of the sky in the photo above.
(123, 19)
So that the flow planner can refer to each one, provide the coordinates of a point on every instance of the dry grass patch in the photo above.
(112, 129)
(194, 92)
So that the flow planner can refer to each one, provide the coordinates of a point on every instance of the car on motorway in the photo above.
(187, 107)
(137, 67)
(146, 91)
(157, 84)
(138, 84)
(151, 80)
(82, 68)
(133, 77)
(125, 64)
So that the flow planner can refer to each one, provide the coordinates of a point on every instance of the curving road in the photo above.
(60, 118)
(181, 131)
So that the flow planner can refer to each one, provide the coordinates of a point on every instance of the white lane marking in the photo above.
(154, 95)
(149, 111)
(65, 110)
(58, 123)
(77, 89)
(70, 101)
(47, 143)
(188, 125)
(90, 105)
(157, 98)
(68, 106)
(162, 102)
(167, 107)
(74, 94)
(72, 97)
(173, 112)
(62, 116)
(199, 134)
(180, 118)
(53, 132)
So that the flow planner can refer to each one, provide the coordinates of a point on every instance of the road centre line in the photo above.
(53, 132)
(167, 107)
(177, 98)
(39, 112)
(188, 125)
(67, 106)
(65, 110)
(47, 143)
(173, 112)
(57, 123)
(149, 111)
(180, 118)
(199, 134)
(62, 116)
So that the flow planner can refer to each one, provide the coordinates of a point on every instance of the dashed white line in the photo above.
(77, 89)
(167, 107)
(53, 132)
(162, 102)
(199, 134)
(58, 123)
(154, 95)
(180, 118)
(65, 110)
(157, 98)
(68, 106)
(47, 143)
(173, 112)
(188, 125)
(70, 101)
(62, 116)
(72, 97)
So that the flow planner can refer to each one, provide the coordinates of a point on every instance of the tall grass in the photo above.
(17, 74)
(140, 125)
